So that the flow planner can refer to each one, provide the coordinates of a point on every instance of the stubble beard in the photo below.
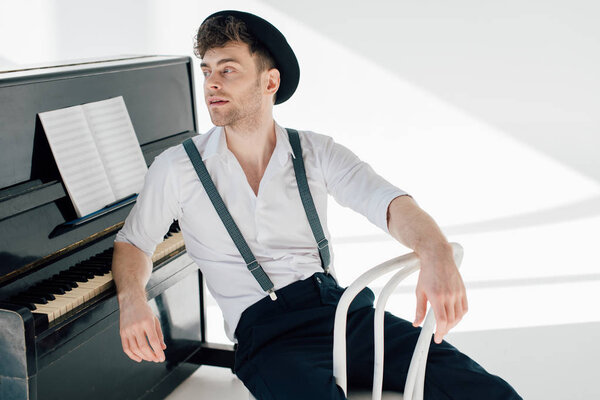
(245, 115)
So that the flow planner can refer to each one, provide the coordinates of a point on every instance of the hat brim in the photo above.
(274, 41)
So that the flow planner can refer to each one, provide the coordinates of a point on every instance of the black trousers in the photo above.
(285, 350)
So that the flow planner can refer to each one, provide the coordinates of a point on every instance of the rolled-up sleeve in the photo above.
(353, 183)
(155, 209)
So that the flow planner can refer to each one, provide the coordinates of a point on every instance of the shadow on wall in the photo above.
(525, 68)
(587, 208)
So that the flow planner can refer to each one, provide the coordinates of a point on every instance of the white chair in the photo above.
(414, 386)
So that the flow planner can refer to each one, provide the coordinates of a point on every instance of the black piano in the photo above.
(59, 316)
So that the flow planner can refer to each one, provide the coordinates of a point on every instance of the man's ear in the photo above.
(273, 81)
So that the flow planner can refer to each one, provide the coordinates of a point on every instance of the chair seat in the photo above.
(367, 395)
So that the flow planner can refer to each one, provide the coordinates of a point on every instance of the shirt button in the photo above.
(319, 280)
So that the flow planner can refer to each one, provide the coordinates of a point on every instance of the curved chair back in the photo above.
(406, 264)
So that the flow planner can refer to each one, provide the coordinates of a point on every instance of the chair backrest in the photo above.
(406, 264)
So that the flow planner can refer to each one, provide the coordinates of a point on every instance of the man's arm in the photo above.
(439, 279)
(155, 209)
(131, 269)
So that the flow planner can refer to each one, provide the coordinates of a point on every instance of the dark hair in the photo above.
(218, 31)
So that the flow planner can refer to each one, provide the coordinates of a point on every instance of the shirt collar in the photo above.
(217, 144)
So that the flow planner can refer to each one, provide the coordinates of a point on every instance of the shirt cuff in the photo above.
(122, 238)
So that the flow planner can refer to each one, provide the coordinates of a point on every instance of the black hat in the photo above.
(275, 42)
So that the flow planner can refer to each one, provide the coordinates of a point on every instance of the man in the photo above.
(268, 262)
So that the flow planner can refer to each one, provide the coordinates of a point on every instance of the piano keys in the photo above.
(66, 291)
(59, 315)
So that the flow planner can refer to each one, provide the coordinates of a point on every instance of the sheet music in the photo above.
(117, 144)
(77, 158)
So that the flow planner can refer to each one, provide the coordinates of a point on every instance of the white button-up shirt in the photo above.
(273, 223)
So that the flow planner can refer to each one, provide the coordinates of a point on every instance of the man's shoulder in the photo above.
(313, 139)
(176, 154)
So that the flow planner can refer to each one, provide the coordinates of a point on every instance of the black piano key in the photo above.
(85, 274)
(32, 299)
(49, 282)
(69, 282)
(74, 276)
(76, 270)
(27, 304)
(105, 267)
(90, 264)
(94, 271)
(100, 269)
(95, 261)
(95, 264)
(40, 292)
(51, 288)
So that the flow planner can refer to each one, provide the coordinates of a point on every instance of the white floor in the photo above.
(550, 362)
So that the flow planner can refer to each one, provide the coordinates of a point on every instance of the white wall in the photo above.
(485, 112)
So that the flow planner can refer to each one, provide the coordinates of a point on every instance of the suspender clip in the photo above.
(252, 268)
(320, 245)
(272, 294)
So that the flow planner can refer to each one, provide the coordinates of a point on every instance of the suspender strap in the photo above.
(307, 200)
(234, 232)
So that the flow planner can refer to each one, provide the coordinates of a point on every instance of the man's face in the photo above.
(232, 85)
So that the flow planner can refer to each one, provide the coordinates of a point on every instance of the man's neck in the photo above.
(252, 145)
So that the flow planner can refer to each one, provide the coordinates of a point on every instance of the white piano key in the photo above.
(86, 291)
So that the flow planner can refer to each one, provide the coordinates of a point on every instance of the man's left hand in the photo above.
(441, 284)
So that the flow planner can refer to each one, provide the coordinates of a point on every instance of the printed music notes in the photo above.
(96, 151)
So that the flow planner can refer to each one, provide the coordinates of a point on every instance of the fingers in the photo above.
(160, 334)
(145, 348)
(135, 341)
(153, 336)
(458, 313)
(421, 308)
(450, 320)
(441, 320)
(135, 348)
(127, 349)
(450, 313)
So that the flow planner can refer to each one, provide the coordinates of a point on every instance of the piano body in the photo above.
(59, 316)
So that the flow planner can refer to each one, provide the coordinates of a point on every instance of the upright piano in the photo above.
(59, 315)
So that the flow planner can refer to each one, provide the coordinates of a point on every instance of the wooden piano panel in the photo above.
(92, 364)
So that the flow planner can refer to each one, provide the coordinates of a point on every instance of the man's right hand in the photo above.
(138, 322)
